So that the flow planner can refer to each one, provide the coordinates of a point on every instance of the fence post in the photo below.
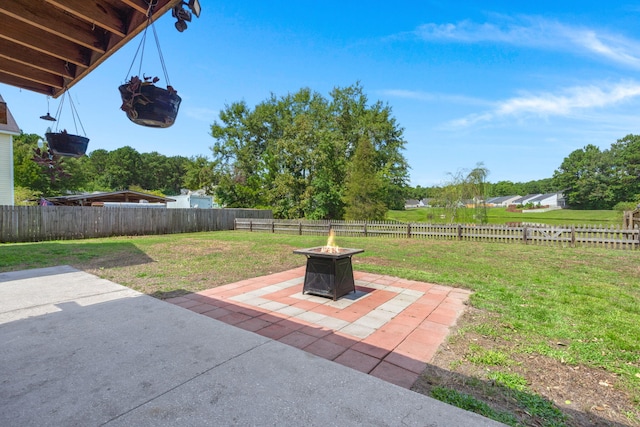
(573, 236)
(365, 228)
(250, 225)
(300, 228)
(524, 235)
(273, 226)
(408, 230)
(235, 223)
(459, 232)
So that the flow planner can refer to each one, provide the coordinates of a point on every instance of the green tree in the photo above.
(504, 188)
(176, 169)
(477, 190)
(364, 185)
(25, 196)
(26, 172)
(238, 154)
(542, 186)
(122, 168)
(44, 174)
(585, 177)
(354, 116)
(95, 166)
(418, 192)
(465, 188)
(292, 153)
(200, 175)
(625, 162)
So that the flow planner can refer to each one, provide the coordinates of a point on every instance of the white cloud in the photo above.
(565, 103)
(430, 96)
(538, 33)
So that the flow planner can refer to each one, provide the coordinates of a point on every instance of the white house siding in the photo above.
(8, 128)
(6, 169)
(554, 200)
(191, 201)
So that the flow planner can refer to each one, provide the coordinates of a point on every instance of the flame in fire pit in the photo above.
(331, 247)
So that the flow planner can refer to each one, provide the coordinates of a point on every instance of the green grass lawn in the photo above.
(500, 216)
(586, 298)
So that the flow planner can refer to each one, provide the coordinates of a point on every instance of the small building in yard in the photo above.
(192, 200)
(8, 129)
(124, 198)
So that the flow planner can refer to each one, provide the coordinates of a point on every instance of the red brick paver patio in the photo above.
(389, 328)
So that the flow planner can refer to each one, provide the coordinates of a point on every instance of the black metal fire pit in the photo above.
(328, 274)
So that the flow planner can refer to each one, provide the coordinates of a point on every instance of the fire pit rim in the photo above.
(317, 252)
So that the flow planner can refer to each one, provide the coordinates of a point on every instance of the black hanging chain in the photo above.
(142, 44)
(74, 113)
(164, 66)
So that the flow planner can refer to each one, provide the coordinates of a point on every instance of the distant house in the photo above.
(8, 129)
(502, 201)
(116, 198)
(553, 200)
(524, 199)
(411, 203)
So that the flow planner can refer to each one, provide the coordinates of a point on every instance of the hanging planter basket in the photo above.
(145, 103)
(149, 105)
(66, 144)
(62, 143)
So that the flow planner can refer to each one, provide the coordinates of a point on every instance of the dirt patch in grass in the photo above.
(586, 396)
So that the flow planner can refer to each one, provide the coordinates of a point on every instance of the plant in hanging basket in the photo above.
(147, 104)
(66, 144)
(51, 165)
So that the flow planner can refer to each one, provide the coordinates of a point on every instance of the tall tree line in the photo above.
(600, 179)
(102, 170)
(304, 155)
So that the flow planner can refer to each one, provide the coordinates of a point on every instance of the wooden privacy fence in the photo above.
(572, 236)
(38, 223)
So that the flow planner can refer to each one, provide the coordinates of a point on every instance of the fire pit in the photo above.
(329, 272)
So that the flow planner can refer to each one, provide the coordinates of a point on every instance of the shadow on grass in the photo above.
(82, 255)
(170, 294)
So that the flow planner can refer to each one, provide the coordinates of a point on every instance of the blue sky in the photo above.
(515, 85)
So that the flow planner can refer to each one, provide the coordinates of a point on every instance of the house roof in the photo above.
(49, 45)
(7, 122)
(541, 197)
(125, 196)
(501, 199)
(526, 198)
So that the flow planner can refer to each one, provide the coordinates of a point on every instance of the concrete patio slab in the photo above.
(79, 350)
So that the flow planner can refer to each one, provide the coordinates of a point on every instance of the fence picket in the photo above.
(38, 223)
